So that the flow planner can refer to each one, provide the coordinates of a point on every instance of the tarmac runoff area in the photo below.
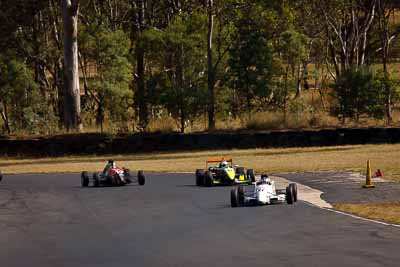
(49, 220)
(345, 187)
(305, 193)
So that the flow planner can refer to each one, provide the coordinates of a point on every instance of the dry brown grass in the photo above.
(384, 157)
(388, 212)
(163, 125)
(305, 112)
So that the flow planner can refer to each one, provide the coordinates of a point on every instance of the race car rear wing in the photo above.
(214, 160)
(211, 160)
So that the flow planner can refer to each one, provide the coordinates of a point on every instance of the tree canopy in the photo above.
(120, 65)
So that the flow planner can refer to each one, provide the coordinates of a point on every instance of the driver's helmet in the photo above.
(223, 164)
(265, 179)
(111, 164)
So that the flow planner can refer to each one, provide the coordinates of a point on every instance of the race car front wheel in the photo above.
(235, 197)
(240, 193)
(208, 179)
(294, 189)
(141, 178)
(199, 177)
(85, 179)
(289, 194)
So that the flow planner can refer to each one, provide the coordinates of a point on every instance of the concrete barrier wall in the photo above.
(137, 143)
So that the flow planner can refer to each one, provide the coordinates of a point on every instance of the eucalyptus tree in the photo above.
(388, 31)
(177, 57)
(72, 103)
(293, 50)
(27, 39)
(104, 58)
(348, 26)
(250, 57)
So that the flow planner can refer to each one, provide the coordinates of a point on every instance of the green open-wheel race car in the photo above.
(224, 173)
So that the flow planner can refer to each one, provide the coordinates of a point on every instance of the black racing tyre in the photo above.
(199, 177)
(289, 195)
(208, 179)
(294, 190)
(250, 175)
(240, 190)
(234, 197)
(1, 176)
(85, 179)
(141, 178)
(96, 179)
(240, 171)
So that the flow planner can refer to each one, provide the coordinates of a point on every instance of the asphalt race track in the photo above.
(49, 220)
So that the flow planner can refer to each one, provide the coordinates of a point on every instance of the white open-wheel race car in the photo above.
(112, 176)
(264, 193)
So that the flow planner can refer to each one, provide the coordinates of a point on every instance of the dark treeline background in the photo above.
(186, 65)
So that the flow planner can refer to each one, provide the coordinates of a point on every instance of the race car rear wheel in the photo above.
(294, 190)
(235, 197)
(250, 175)
(1, 176)
(85, 179)
(199, 177)
(240, 191)
(208, 179)
(96, 179)
(289, 195)
(141, 178)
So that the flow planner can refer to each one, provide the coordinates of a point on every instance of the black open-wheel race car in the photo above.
(224, 173)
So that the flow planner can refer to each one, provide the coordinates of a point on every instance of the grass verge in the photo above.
(387, 212)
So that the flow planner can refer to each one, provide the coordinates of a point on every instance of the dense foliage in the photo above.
(147, 60)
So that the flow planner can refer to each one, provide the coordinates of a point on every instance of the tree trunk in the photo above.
(383, 7)
(285, 96)
(181, 85)
(100, 114)
(140, 68)
(59, 83)
(299, 79)
(4, 116)
(141, 89)
(211, 74)
(72, 109)
(388, 93)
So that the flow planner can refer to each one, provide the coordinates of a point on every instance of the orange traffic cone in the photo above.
(378, 173)
(368, 180)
